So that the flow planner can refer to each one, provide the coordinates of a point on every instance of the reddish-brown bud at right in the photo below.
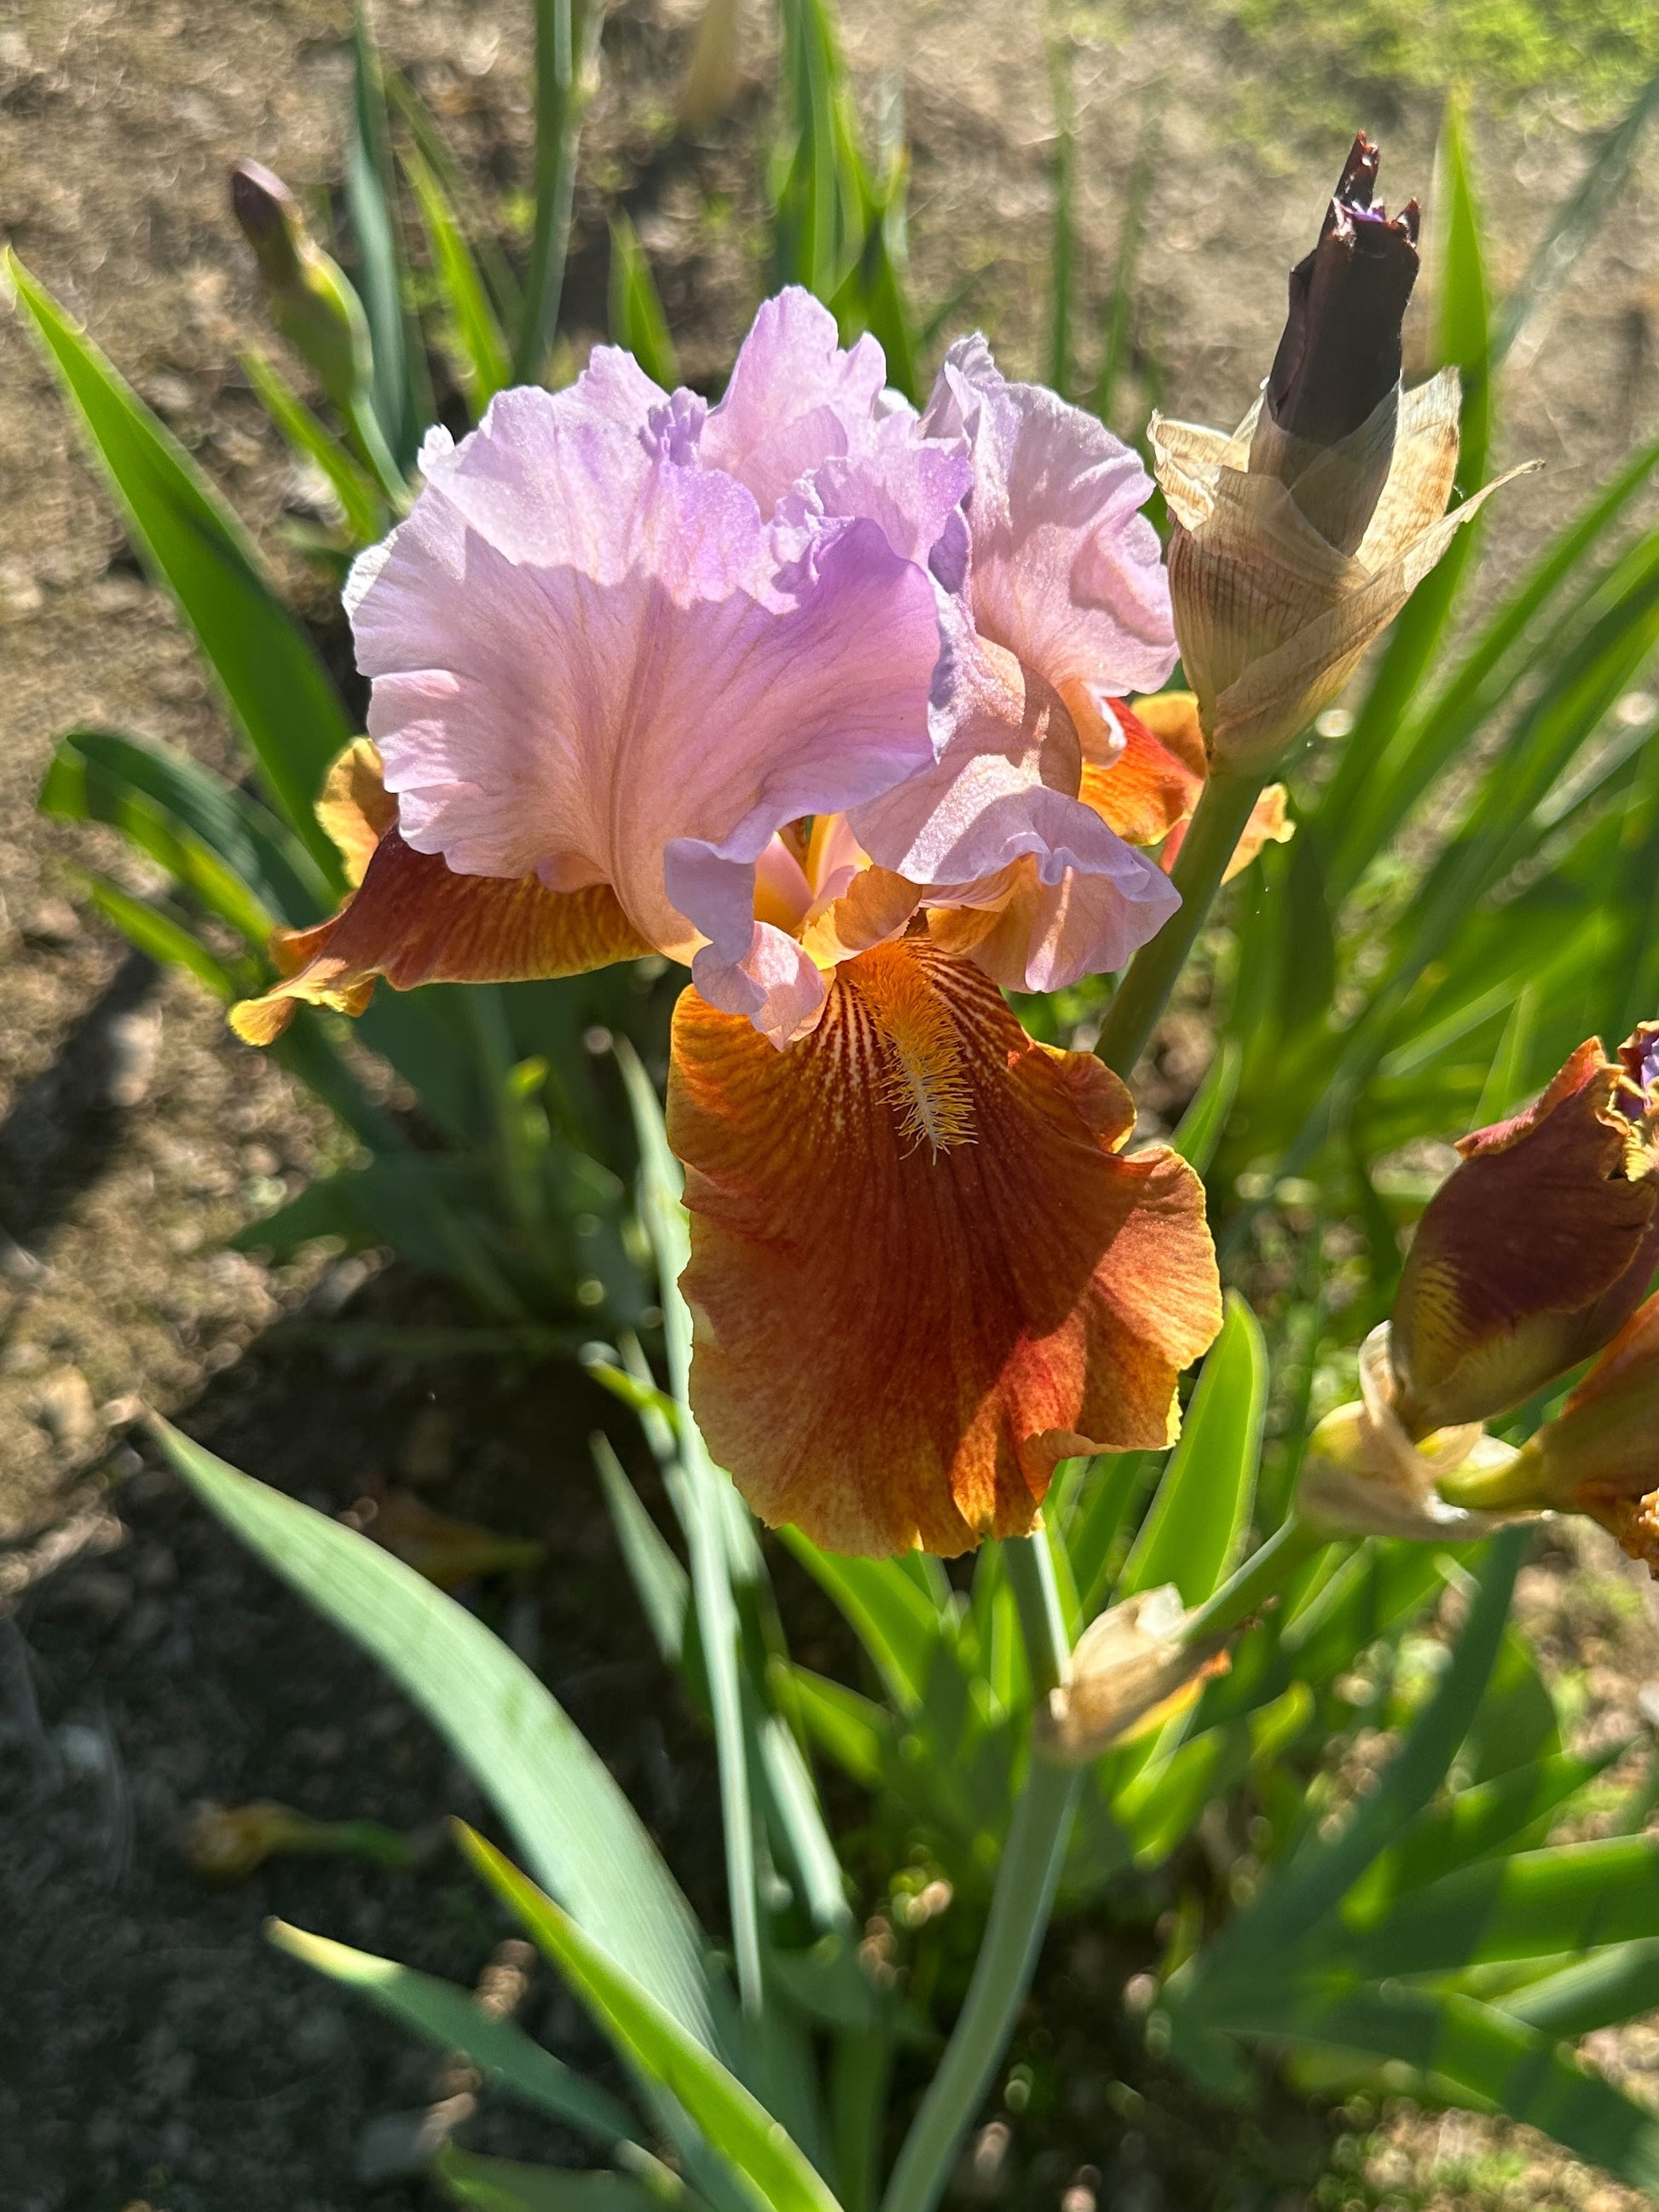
(1600, 1456)
(1538, 1247)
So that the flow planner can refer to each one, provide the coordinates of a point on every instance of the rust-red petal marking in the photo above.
(415, 920)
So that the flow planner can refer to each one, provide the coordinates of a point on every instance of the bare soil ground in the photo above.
(152, 2049)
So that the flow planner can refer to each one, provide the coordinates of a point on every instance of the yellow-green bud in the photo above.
(313, 304)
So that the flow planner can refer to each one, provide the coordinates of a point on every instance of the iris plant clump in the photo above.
(862, 714)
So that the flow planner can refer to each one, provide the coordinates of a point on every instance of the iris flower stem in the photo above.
(1262, 1576)
(1020, 1906)
(363, 425)
(1223, 808)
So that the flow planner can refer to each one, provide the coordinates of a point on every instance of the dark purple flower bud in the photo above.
(1340, 354)
(1337, 371)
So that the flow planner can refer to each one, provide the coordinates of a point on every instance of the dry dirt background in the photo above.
(151, 2049)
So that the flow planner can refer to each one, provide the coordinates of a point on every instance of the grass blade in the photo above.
(505, 292)
(854, 1730)
(163, 938)
(660, 1582)
(501, 2185)
(807, 244)
(360, 503)
(1117, 319)
(225, 849)
(1205, 1118)
(1384, 789)
(898, 1624)
(402, 397)
(567, 57)
(450, 2017)
(1495, 2060)
(1476, 1823)
(1095, 1528)
(711, 1553)
(1313, 1882)
(1617, 1984)
(484, 362)
(637, 321)
(1531, 1904)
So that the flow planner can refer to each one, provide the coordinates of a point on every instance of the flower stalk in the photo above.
(1021, 1904)
(1266, 1574)
(1224, 810)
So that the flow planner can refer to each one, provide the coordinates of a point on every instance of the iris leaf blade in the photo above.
(778, 2175)
(275, 684)
(450, 2017)
(503, 2184)
(575, 1827)
(360, 497)
(171, 808)
(1201, 1511)
(485, 362)
(637, 321)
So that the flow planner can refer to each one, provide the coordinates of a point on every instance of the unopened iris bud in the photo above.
(314, 305)
(1600, 1454)
(1538, 1247)
(1132, 1662)
(1331, 405)
(1295, 540)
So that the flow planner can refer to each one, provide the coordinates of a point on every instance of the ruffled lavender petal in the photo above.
(1064, 571)
(796, 399)
(911, 487)
(1000, 793)
(773, 984)
(581, 659)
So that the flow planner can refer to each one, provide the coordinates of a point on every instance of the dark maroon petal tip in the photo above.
(1340, 354)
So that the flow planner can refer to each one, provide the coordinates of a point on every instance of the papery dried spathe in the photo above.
(1363, 1475)
(1296, 538)
(1133, 1661)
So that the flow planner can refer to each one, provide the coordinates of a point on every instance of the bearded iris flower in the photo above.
(820, 698)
